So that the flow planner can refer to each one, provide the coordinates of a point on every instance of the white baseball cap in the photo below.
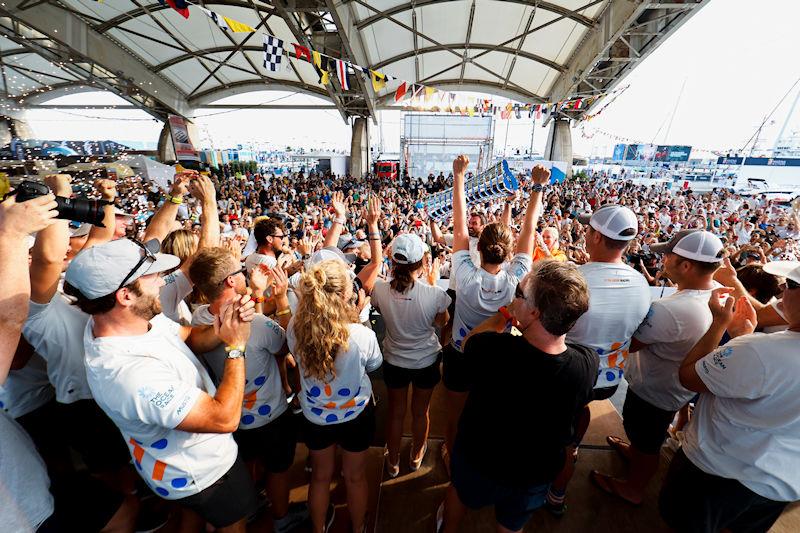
(407, 248)
(103, 269)
(694, 244)
(330, 252)
(614, 221)
(784, 269)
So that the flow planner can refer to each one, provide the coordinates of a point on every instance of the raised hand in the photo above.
(202, 188)
(460, 165)
(721, 305)
(180, 185)
(259, 280)
(107, 189)
(363, 300)
(540, 175)
(372, 213)
(229, 326)
(726, 274)
(18, 220)
(744, 318)
(338, 204)
(59, 184)
(279, 280)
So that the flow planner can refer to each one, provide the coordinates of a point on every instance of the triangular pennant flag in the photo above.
(341, 73)
(517, 112)
(400, 92)
(321, 66)
(301, 52)
(178, 5)
(378, 80)
(428, 93)
(577, 104)
(471, 111)
(238, 27)
(218, 20)
(538, 111)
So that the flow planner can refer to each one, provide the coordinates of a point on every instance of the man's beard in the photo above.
(146, 307)
(473, 233)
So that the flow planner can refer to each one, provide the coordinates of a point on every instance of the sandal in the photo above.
(609, 485)
(413, 463)
(619, 446)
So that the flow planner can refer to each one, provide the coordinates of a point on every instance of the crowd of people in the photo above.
(165, 365)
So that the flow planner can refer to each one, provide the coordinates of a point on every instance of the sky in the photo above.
(709, 85)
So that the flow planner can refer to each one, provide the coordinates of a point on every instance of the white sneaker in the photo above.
(413, 463)
(391, 470)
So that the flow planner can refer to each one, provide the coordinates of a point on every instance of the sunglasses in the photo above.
(518, 292)
(242, 270)
(278, 236)
(148, 255)
(791, 284)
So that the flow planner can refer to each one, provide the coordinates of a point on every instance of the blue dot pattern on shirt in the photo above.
(315, 391)
(162, 491)
(159, 444)
(264, 410)
(316, 410)
(349, 413)
(345, 392)
(248, 419)
(331, 418)
(179, 482)
(260, 380)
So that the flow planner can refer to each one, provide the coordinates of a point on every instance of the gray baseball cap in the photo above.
(694, 244)
(103, 269)
(614, 221)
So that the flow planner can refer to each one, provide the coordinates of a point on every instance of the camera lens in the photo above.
(80, 210)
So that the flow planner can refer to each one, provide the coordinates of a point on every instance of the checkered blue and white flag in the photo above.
(273, 53)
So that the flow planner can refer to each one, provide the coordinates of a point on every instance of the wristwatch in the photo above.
(234, 352)
(537, 187)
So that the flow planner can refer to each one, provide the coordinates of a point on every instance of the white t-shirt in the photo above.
(55, 330)
(619, 298)
(256, 259)
(474, 254)
(411, 340)
(748, 427)
(341, 398)
(264, 398)
(26, 389)
(672, 327)
(480, 294)
(177, 287)
(25, 500)
(147, 384)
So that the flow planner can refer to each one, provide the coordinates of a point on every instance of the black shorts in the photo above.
(94, 436)
(83, 502)
(452, 309)
(603, 393)
(353, 436)
(273, 443)
(230, 499)
(41, 424)
(456, 374)
(692, 500)
(513, 506)
(397, 377)
(645, 424)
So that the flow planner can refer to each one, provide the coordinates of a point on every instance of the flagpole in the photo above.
(505, 144)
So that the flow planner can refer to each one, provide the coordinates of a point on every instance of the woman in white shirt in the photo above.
(482, 290)
(412, 311)
(334, 352)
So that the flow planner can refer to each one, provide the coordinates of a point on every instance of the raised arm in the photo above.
(17, 221)
(47, 255)
(203, 189)
(108, 192)
(436, 233)
(164, 219)
(540, 177)
(460, 234)
(370, 272)
(339, 219)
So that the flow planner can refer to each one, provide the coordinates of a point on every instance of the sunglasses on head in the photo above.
(518, 291)
(791, 284)
(148, 255)
(242, 270)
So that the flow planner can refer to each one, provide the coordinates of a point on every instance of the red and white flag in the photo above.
(341, 73)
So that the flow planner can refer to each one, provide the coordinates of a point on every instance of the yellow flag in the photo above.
(429, 91)
(238, 27)
(324, 75)
(378, 80)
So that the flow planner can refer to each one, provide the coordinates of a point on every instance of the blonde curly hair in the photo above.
(322, 318)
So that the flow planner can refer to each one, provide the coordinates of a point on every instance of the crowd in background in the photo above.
(216, 324)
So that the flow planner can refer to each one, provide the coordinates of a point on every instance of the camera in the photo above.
(77, 209)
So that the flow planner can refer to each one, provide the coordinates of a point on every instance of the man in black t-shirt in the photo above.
(495, 461)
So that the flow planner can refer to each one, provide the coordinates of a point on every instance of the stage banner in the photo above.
(184, 149)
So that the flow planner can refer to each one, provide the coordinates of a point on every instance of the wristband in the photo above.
(259, 299)
(504, 311)
(175, 199)
(340, 220)
(231, 348)
(284, 312)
